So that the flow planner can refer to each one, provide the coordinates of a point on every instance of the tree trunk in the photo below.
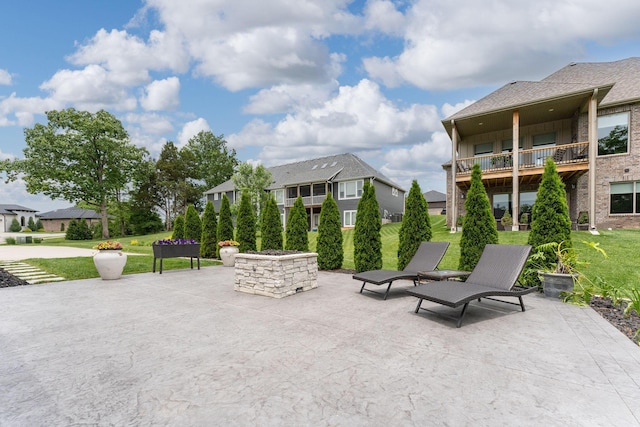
(105, 219)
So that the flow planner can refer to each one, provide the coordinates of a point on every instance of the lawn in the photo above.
(622, 247)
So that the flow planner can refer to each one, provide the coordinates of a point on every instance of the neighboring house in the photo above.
(10, 212)
(585, 116)
(436, 200)
(59, 219)
(342, 175)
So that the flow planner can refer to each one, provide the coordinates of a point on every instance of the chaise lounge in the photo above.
(426, 258)
(496, 274)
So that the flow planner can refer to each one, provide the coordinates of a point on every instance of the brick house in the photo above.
(59, 219)
(585, 116)
(20, 213)
(342, 175)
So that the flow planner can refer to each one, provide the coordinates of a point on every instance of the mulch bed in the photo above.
(603, 306)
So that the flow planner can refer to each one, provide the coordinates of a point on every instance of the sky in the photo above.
(290, 80)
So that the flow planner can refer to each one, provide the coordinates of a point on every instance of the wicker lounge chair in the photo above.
(495, 274)
(426, 258)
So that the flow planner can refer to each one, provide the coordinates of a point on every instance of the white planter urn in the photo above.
(228, 255)
(110, 263)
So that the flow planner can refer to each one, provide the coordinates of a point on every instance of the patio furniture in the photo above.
(496, 274)
(426, 258)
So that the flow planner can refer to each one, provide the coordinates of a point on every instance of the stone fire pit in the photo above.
(274, 275)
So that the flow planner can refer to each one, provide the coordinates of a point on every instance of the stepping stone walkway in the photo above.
(29, 273)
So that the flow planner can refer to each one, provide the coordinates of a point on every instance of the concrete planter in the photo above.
(110, 263)
(228, 254)
(276, 276)
(553, 284)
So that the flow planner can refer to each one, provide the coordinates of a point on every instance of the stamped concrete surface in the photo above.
(184, 349)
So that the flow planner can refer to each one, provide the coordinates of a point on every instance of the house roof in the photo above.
(555, 97)
(70, 213)
(435, 196)
(340, 167)
(8, 209)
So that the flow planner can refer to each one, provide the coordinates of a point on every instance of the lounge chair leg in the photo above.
(387, 293)
(362, 288)
(521, 303)
(464, 310)
(419, 304)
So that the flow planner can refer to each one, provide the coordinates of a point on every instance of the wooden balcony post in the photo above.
(515, 199)
(454, 167)
(593, 152)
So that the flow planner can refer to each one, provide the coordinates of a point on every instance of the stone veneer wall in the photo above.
(276, 276)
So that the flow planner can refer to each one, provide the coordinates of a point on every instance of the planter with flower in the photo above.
(228, 251)
(175, 248)
(110, 260)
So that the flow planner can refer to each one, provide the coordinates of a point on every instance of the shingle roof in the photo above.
(8, 209)
(340, 167)
(70, 213)
(435, 196)
(572, 79)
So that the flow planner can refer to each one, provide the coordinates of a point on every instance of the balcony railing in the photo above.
(308, 200)
(534, 158)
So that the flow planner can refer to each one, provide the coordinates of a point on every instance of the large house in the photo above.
(341, 175)
(59, 219)
(585, 116)
(20, 213)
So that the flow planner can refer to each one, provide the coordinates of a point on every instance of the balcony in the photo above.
(308, 200)
(572, 160)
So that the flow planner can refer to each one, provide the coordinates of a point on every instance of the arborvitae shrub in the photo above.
(479, 226)
(178, 227)
(246, 234)
(416, 225)
(208, 241)
(39, 225)
(15, 226)
(31, 224)
(271, 227)
(297, 228)
(225, 223)
(329, 247)
(192, 224)
(367, 244)
(78, 230)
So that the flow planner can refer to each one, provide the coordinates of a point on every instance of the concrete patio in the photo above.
(184, 349)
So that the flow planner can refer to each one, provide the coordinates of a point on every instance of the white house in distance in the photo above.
(342, 175)
(10, 212)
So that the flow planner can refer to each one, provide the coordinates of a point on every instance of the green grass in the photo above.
(619, 269)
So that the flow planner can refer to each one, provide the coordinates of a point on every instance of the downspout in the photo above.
(454, 168)
(593, 152)
(515, 159)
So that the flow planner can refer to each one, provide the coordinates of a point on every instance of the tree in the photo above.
(212, 162)
(329, 247)
(550, 220)
(271, 226)
(297, 238)
(416, 226)
(15, 226)
(178, 228)
(479, 225)
(367, 243)
(39, 225)
(254, 181)
(192, 224)
(144, 198)
(246, 224)
(172, 179)
(77, 156)
(209, 228)
(225, 222)
(78, 230)
(31, 224)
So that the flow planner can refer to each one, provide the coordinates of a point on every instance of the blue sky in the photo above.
(288, 80)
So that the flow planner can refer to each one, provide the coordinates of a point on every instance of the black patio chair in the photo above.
(426, 258)
(496, 274)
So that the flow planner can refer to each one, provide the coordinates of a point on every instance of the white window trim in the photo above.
(352, 214)
(344, 183)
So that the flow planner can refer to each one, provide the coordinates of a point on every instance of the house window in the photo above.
(394, 192)
(501, 204)
(350, 218)
(527, 199)
(216, 196)
(507, 145)
(279, 196)
(482, 149)
(350, 189)
(625, 198)
(613, 131)
(544, 140)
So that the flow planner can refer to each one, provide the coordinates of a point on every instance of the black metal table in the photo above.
(439, 275)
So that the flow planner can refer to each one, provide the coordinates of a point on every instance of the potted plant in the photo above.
(110, 260)
(524, 221)
(583, 220)
(228, 251)
(506, 221)
(459, 222)
(175, 248)
(560, 278)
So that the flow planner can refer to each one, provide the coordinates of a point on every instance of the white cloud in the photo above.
(448, 109)
(356, 118)
(24, 109)
(191, 129)
(6, 156)
(286, 98)
(382, 15)
(5, 77)
(162, 95)
(468, 43)
(16, 193)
